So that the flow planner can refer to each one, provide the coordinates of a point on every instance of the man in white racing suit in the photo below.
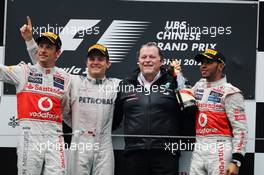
(92, 104)
(42, 91)
(91, 107)
(221, 125)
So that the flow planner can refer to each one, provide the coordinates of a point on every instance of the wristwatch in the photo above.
(236, 162)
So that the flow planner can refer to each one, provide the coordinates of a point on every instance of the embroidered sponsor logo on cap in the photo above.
(97, 46)
(210, 51)
(50, 34)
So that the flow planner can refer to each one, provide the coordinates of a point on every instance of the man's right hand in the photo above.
(26, 30)
(175, 67)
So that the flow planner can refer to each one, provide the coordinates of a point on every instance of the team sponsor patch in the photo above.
(211, 106)
(200, 90)
(55, 84)
(238, 110)
(58, 82)
(215, 97)
(216, 94)
(239, 114)
(33, 79)
(92, 100)
(44, 88)
(198, 96)
(39, 107)
(218, 90)
(35, 74)
(240, 117)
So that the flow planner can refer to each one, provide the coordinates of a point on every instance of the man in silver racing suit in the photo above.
(221, 125)
(91, 107)
(42, 91)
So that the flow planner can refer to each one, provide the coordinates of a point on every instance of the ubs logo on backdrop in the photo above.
(119, 37)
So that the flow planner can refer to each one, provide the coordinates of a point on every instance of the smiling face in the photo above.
(47, 54)
(211, 70)
(97, 64)
(149, 61)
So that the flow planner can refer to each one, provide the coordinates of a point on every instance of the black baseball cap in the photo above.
(51, 37)
(99, 48)
(212, 55)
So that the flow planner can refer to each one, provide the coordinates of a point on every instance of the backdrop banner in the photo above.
(180, 29)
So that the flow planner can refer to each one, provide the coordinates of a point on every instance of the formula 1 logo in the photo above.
(202, 119)
(45, 104)
(119, 37)
(67, 38)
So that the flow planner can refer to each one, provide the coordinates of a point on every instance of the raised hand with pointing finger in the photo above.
(26, 30)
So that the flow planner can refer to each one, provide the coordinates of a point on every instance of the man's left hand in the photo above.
(232, 169)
